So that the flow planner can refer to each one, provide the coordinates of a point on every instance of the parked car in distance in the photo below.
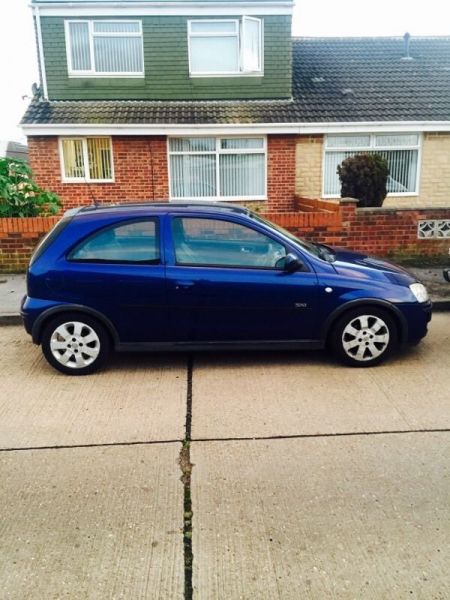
(203, 276)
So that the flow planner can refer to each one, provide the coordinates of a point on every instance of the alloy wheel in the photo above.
(75, 344)
(365, 338)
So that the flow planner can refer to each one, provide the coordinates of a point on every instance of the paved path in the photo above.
(12, 290)
(309, 480)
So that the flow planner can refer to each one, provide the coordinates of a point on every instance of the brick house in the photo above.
(204, 99)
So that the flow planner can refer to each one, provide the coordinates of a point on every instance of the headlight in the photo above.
(419, 291)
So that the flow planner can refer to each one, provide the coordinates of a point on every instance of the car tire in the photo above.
(364, 337)
(75, 344)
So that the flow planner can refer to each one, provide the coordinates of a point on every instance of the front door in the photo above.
(226, 282)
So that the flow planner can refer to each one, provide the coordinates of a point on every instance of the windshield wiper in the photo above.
(325, 252)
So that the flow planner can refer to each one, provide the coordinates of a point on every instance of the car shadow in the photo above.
(245, 358)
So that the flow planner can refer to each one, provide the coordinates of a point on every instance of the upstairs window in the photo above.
(225, 47)
(104, 48)
(400, 150)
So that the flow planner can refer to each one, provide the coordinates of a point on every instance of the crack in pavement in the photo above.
(320, 435)
(188, 440)
(186, 472)
(100, 445)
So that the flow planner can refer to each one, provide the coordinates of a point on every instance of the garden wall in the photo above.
(18, 238)
(379, 231)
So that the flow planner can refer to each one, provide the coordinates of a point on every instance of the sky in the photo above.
(311, 18)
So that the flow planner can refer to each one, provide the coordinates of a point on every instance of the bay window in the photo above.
(86, 159)
(217, 168)
(225, 47)
(400, 150)
(104, 48)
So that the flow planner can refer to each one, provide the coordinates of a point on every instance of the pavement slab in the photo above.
(136, 398)
(347, 518)
(92, 524)
(12, 290)
(246, 395)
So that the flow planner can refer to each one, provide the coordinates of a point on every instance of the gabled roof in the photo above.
(13, 149)
(335, 80)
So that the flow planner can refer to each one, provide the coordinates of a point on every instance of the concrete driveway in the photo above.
(276, 475)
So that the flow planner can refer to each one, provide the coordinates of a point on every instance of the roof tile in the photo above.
(334, 80)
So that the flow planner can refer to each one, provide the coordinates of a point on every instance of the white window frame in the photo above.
(239, 35)
(373, 148)
(92, 72)
(217, 152)
(86, 178)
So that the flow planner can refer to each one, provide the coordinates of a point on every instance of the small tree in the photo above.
(364, 176)
(20, 196)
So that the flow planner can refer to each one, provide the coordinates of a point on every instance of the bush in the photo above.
(364, 176)
(20, 196)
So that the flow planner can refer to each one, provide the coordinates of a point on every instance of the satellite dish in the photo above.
(36, 90)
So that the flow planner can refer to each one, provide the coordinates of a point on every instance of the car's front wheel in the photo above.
(364, 337)
(75, 344)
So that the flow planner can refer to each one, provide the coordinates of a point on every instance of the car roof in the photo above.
(151, 207)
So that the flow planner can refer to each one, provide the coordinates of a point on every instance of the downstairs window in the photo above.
(86, 159)
(218, 168)
(400, 150)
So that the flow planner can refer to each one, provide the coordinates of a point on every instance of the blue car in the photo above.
(203, 276)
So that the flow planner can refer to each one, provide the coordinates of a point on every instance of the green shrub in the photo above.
(364, 176)
(20, 196)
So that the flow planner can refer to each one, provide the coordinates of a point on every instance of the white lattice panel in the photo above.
(437, 228)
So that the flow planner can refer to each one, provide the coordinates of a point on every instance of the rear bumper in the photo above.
(26, 322)
(30, 311)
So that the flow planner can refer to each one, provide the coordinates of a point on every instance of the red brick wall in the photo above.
(379, 231)
(140, 168)
(18, 238)
(390, 231)
(281, 172)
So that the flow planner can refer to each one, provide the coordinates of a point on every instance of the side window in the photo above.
(211, 242)
(135, 242)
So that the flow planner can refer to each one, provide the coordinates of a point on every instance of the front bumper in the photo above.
(417, 316)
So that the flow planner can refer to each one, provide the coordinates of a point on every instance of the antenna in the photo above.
(406, 42)
(95, 202)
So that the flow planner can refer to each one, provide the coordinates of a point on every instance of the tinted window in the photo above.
(216, 242)
(135, 242)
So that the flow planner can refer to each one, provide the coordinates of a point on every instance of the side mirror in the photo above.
(292, 263)
(446, 274)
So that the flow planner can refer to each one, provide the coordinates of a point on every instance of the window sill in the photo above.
(229, 75)
(215, 199)
(106, 76)
(390, 195)
(86, 181)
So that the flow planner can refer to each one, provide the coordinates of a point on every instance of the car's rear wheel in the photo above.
(75, 344)
(364, 337)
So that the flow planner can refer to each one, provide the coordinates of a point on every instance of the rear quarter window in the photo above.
(49, 239)
(130, 242)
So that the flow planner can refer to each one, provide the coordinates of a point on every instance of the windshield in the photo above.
(318, 250)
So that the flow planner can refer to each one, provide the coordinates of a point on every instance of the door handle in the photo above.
(184, 285)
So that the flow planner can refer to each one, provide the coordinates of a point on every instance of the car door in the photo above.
(118, 270)
(226, 282)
